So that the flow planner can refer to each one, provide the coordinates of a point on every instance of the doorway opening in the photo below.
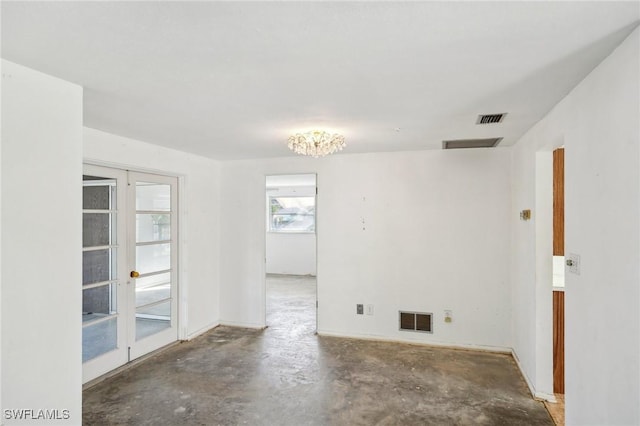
(291, 253)
(549, 274)
(129, 266)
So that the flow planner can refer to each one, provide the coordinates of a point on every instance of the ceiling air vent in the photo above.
(416, 321)
(471, 143)
(490, 118)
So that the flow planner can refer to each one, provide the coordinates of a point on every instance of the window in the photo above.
(292, 214)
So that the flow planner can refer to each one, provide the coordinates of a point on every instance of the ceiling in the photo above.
(231, 80)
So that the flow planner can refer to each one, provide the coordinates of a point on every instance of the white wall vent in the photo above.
(471, 143)
(490, 118)
(416, 321)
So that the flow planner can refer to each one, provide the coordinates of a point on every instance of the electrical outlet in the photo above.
(359, 309)
(448, 316)
(573, 263)
(369, 309)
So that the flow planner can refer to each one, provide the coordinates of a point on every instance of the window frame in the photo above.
(270, 215)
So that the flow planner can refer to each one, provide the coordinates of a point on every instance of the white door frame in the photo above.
(265, 215)
(109, 360)
(92, 369)
(183, 331)
(141, 347)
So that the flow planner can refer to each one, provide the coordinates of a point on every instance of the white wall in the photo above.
(199, 221)
(598, 124)
(531, 263)
(291, 253)
(41, 240)
(435, 237)
(1, 84)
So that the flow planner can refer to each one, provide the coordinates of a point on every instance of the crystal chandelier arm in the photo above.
(316, 143)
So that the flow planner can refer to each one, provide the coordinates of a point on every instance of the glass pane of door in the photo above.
(153, 288)
(99, 275)
(153, 257)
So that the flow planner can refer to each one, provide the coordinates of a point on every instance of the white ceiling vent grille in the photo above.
(471, 143)
(490, 118)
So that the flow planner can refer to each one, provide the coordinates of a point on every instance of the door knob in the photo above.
(134, 274)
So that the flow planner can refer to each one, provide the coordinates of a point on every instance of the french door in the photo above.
(129, 285)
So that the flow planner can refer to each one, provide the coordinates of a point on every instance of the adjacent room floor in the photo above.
(556, 410)
(287, 375)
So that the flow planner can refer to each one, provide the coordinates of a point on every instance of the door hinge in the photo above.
(316, 304)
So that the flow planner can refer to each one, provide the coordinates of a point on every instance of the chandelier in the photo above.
(316, 143)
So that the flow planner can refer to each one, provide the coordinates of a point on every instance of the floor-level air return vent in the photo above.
(490, 118)
(416, 321)
(471, 143)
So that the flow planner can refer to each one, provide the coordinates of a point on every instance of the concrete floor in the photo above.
(286, 375)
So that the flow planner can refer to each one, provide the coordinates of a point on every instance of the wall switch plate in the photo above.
(369, 309)
(448, 316)
(359, 309)
(573, 263)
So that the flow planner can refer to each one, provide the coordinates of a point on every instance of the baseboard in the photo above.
(463, 346)
(543, 396)
(201, 331)
(243, 325)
